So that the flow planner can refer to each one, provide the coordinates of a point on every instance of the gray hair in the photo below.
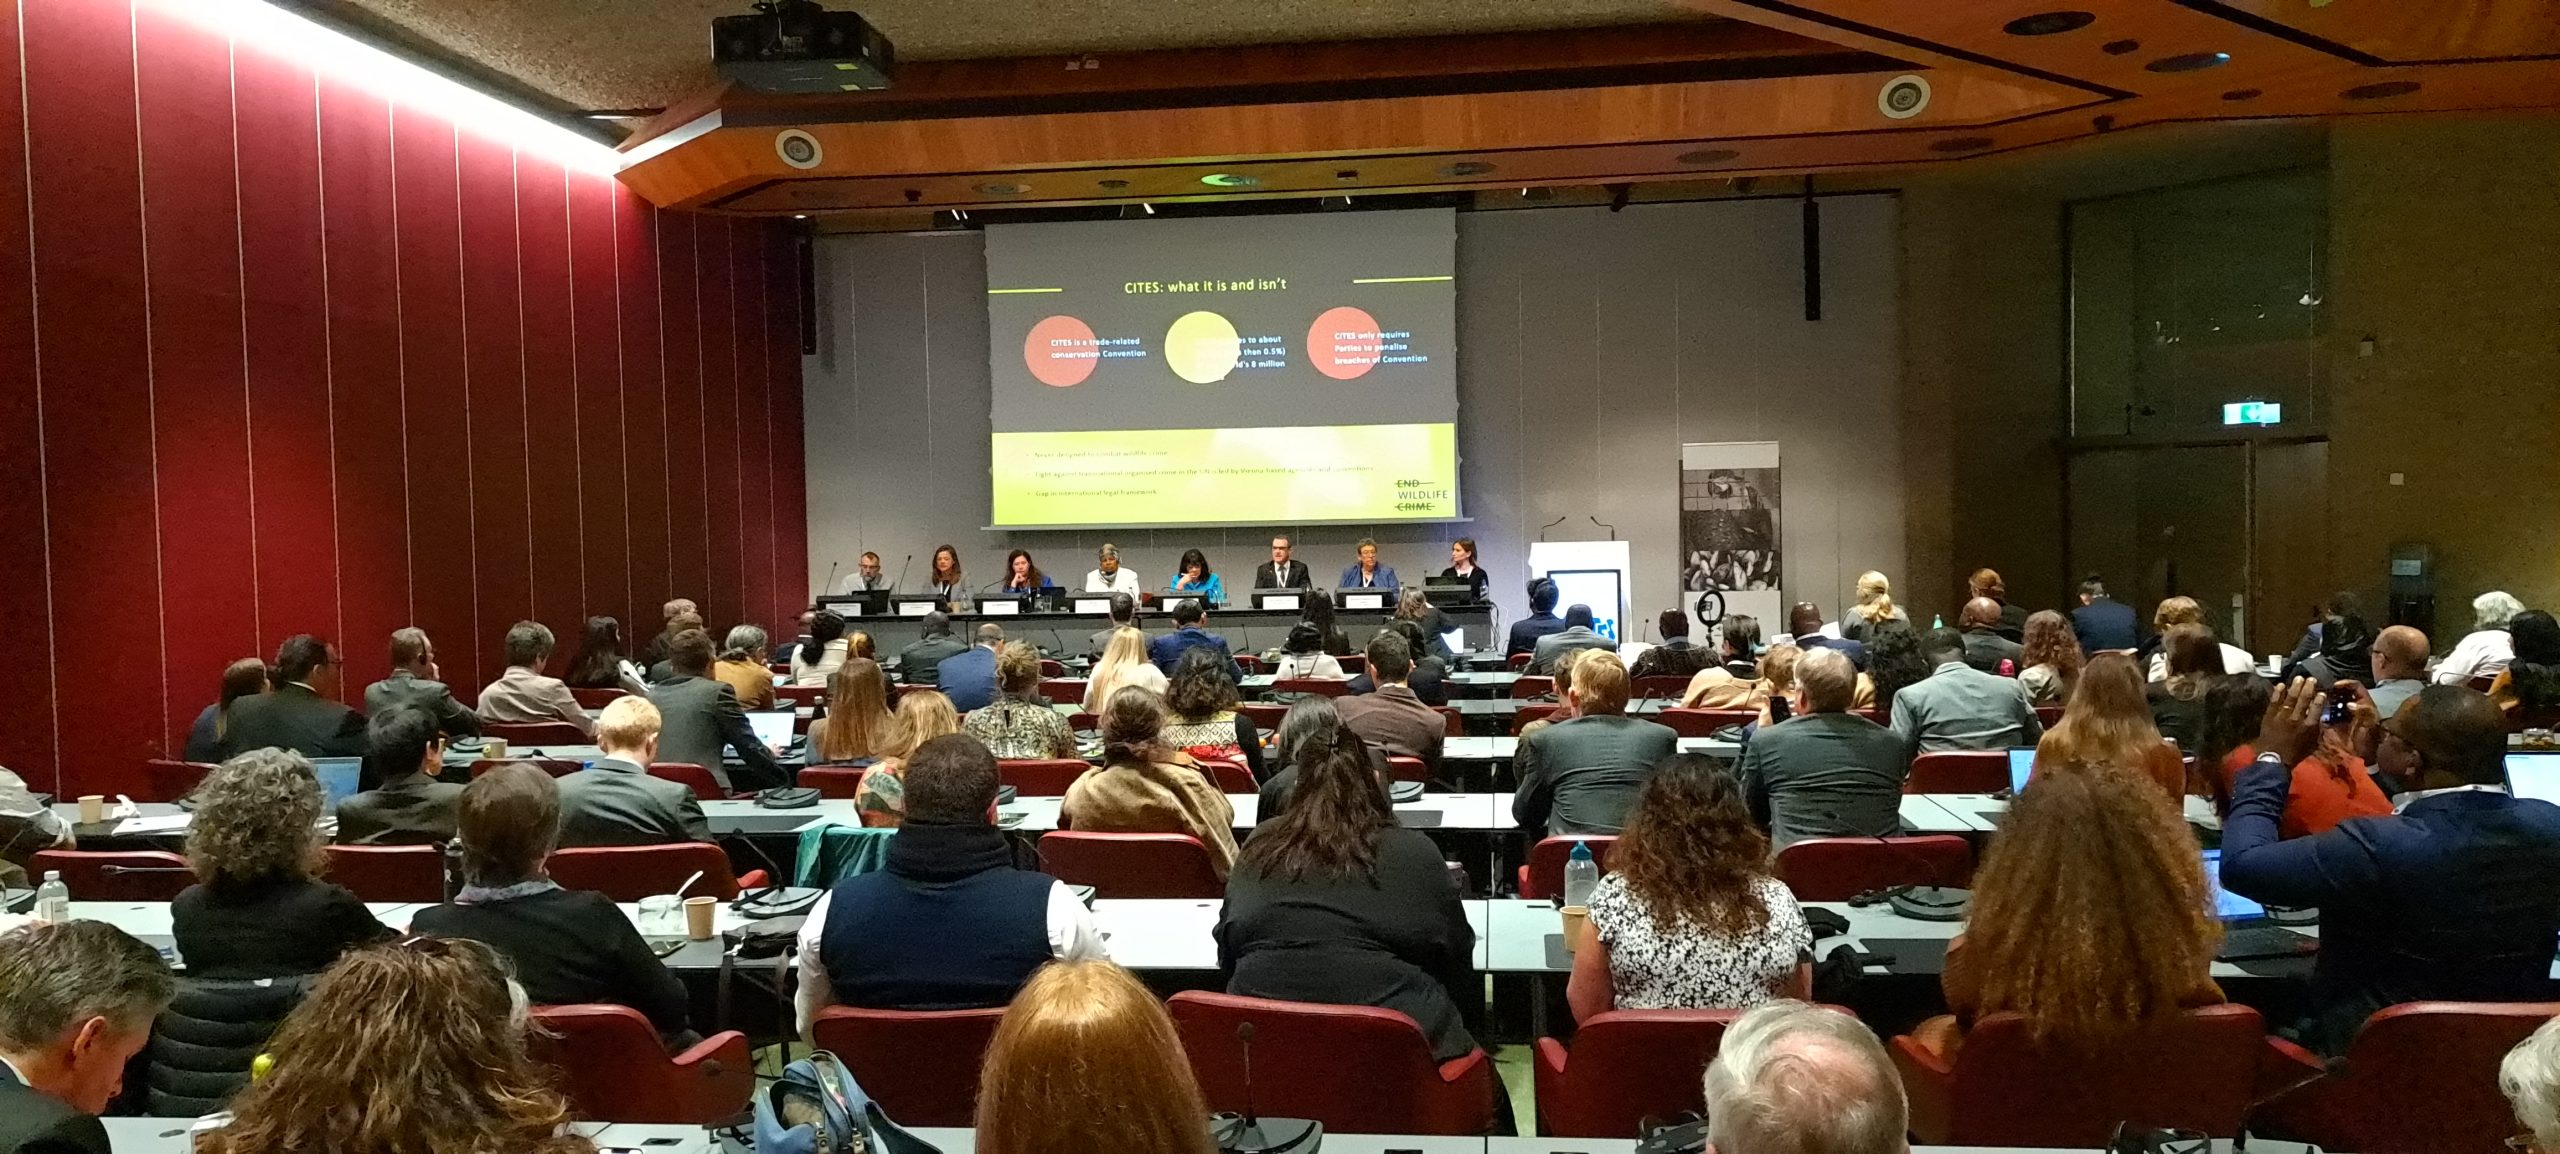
(408, 644)
(2496, 609)
(742, 641)
(2530, 1078)
(1112, 551)
(1829, 682)
(528, 643)
(55, 976)
(1794, 1078)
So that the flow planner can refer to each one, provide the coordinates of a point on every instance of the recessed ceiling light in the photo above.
(2242, 94)
(2381, 90)
(1961, 144)
(2120, 47)
(2189, 62)
(2048, 23)
(1709, 156)
(1230, 180)
(1114, 185)
(1004, 189)
(1466, 168)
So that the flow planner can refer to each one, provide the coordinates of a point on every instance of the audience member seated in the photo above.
(663, 669)
(2108, 725)
(1365, 571)
(1675, 655)
(949, 923)
(922, 715)
(1124, 663)
(1019, 723)
(1192, 575)
(77, 1000)
(2329, 786)
(2530, 1078)
(1146, 786)
(2399, 662)
(256, 910)
(1986, 584)
(302, 714)
(745, 666)
(1563, 694)
(1392, 718)
(1804, 623)
(410, 807)
(1317, 609)
(2343, 645)
(1303, 656)
(1985, 648)
(1541, 622)
(1735, 680)
(2050, 661)
(816, 659)
(405, 1048)
(1825, 772)
(699, 717)
(2485, 651)
(1580, 776)
(2177, 611)
(614, 801)
(522, 693)
(2531, 679)
(1689, 917)
(1124, 615)
(1874, 607)
(1087, 1059)
(415, 682)
(968, 678)
(567, 947)
(1413, 605)
(2087, 936)
(1200, 703)
(920, 663)
(246, 677)
(1308, 730)
(2448, 899)
(1334, 903)
(1429, 680)
(1894, 662)
(27, 827)
(1190, 631)
(1959, 707)
(2103, 623)
(2177, 701)
(858, 727)
(1792, 1078)
(600, 663)
(656, 651)
(1576, 634)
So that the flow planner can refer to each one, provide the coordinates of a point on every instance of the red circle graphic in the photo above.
(1343, 343)
(1060, 351)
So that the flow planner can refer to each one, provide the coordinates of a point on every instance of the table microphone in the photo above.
(902, 573)
(1250, 1133)
(830, 586)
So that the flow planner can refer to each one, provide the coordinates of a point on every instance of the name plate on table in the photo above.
(914, 608)
(1286, 602)
(1101, 605)
(1365, 599)
(999, 608)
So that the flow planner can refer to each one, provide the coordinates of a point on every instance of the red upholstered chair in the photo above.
(1357, 1069)
(2533, 717)
(2482, 684)
(1051, 667)
(2195, 1071)
(1626, 1066)
(1040, 776)
(704, 786)
(2046, 715)
(1056, 691)
(1131, 865)
(1322, 686)
(1407, 769)
(1232, 777)
(1660, 685)
(2420, 1078)
(1704, 722)
(1353, 664)
(1873, 714)
(1265, 715)
(800, 695)
(534, 734)
(555, 766)
(1454, 722)
(1250, 664)
(1543, 877)
(922, 1066)
(1533, 686)
(1535, 711)
(1082, 722)
(114, 876)
(628, 873)
(593, 698)
(1973, 771)
(1517, 662)
(166, 780)
(1835, 869)
(389, 873)
(614, 1070)
(834, 782)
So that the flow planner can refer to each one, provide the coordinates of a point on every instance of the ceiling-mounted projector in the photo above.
(797, 46)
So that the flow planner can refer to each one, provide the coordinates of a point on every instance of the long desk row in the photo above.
(1247, 630)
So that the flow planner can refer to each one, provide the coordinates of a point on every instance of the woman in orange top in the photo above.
(2108, 724)
(2328, 787)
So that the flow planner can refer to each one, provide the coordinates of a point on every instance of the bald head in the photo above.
(1790, 1078)
(1980, 613)
(2399, 654)
(1805, 619)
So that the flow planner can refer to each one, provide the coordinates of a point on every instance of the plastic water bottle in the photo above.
(53, 899)
(1937, 621)
(1581, 875)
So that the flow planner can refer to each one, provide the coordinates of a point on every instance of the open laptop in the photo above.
(2535, 776)
(338, 777)
(2022, 765)
(773, 727)
(2242, 941)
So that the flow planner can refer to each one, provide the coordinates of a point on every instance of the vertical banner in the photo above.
(1730, 540)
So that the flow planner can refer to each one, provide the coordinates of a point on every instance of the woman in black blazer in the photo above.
(1462, 567)
(256, 911)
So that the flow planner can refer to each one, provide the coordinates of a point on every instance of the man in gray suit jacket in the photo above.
(411, 807)
(1959, 707)
(1826, 772)
(700, 716)
(1581, 776)
(615, 801)
(1577, 634)
(414, 682)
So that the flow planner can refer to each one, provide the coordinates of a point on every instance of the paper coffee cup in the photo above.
(699, 915)
(495, 749)
(93, 808)
(1574, 916)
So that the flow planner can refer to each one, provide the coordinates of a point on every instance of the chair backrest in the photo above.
(834, 782)
(1321, 686)
(1453, 723)
(166, 780)
(1835, 869)
(114, 875)
(2047, 715)
(1704, 722)
(1533, 685)
(799, 695)
(1357, 1069)
(1131, 865)
(1668, 685)
(614, 1069)
(704, 786)
(1543, 877)
(1969, 771)
(628, 873)
(1353, 664)
(593, 698)
(1249, 663)
(555, 766)
(2423, 1076)
(1534, 711)
(2193, 1071)
(1052, 667)
(1264, 715)
(921, 1066)
(390, 873)
(1516, 662)
(1040, 776)
(1407, 769)
(1626, 1066)
(535, 733)
(2533, 717)
(1232, 777)
(1082, 722)
(1055, 691)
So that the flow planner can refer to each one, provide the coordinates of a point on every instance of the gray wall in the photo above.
(1593, 344)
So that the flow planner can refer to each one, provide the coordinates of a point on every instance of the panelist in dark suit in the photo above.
(699, 715)
(303, 714)
(2102, 622)
(1281, 572)
(415, 682)
(1541, 621)
(1462, 567)
(410, 807)
(1367, 573)
(614, 801)
(76, 1004)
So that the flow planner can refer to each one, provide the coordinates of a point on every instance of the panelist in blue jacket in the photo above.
(1366, 573)
(1192, 575)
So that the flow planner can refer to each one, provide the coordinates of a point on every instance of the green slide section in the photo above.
(1227, 476)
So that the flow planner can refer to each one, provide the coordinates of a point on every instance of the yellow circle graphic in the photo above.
(1201, 347)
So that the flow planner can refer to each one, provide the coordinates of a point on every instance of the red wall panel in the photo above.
(277, 356)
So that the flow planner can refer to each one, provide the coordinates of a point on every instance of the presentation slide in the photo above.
(1230, 370)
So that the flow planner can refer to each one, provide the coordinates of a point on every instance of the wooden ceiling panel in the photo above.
(2418, 33)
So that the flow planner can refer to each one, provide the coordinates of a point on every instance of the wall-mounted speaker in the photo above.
(1903, 97)
(799, 149)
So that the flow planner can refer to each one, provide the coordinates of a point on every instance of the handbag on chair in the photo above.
(816, 1107)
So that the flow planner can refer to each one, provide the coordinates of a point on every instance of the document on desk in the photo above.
(165, 823)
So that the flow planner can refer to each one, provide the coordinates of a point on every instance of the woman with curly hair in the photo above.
(1200, 700)
(1689, 917)
(1894, 662)
(2329, 786)
(258, 908)
(414, 1048)
(2050, 668)
(2087, 937)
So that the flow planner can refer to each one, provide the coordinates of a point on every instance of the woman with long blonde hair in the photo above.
(1087, 1060)
(1124, 663)
(2108, 728)
(858, 725)
(922, 715)
(1874, 607)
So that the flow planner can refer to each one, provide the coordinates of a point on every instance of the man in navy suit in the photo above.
(2102, 622)
(1189, 633)
(968, 678)
(2449, 898)
(1805, 622)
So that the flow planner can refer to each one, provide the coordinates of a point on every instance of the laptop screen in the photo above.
(2534, 775)
(2230, 906)
(2022, 765)
(773, 728)
(338, 776)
